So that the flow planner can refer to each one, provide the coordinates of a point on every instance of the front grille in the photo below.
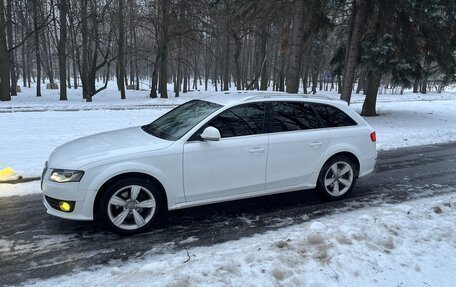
(54, 203)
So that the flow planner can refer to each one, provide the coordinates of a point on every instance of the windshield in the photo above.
(177, 122)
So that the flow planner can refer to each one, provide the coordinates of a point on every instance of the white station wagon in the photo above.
(215, 149)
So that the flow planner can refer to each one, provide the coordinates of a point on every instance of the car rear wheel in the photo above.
(130, 206)
(337, 177)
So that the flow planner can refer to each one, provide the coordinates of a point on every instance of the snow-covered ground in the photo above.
(411, 244)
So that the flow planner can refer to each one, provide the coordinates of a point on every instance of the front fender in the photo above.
(102, 174)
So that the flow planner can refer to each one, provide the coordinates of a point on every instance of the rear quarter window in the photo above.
(333, 117)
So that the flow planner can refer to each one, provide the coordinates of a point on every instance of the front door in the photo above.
(236, 163)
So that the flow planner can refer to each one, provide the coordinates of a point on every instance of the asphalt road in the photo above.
(34, 245)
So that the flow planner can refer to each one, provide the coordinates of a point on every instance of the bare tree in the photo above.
(5, 94)
(63, 7)
(121, 45)
(359, 14)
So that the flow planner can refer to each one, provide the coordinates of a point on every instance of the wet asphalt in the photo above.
(35, 245)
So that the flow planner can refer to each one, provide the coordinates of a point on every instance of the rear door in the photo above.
(296, 144)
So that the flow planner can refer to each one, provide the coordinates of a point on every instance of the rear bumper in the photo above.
(367, 166)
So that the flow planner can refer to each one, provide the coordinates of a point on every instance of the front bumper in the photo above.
(76, 214)
(68, 191)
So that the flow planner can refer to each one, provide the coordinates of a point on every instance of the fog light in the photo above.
(64, 206)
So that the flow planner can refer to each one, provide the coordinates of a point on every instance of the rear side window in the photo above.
(241, 120)
(333, 117)
(293, 116)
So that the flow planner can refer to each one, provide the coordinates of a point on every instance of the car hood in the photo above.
(86, 150)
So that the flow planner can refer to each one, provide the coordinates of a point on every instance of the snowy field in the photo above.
(411, 244)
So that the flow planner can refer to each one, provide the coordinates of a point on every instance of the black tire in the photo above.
(123, 189)
(327, 172)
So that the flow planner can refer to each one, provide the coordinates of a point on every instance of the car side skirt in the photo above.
(240, 196)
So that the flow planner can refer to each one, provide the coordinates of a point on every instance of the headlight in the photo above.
(66, 175)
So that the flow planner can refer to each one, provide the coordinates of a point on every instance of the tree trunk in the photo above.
(195, 72)
(4, 60)
(29, 65)
(316, 63)
(226, 75)
(185, 69)
(373, 83)
(9, 31)
(282, 73)
(264, 68)
(184, 76)
(415, 86)
(424, 82)
(339, 84)
(153, 89)
(37, 48)
(84, 72)
(164, 43)
(121, 45)
(24, 60)
(74, 51)
(179, 68)
(237, 63)
(304, 22)
(361, 82)
(68, 72)
(353, 46)
(135, 41)
(305, 77)
(49, 69)
(62, 50)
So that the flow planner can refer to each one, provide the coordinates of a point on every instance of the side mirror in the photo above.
(211, 134)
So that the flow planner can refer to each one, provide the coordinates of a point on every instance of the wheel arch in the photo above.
(125, 175)
(348, 154)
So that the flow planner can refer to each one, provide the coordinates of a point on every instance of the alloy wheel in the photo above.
(131, 207)
(338, 178)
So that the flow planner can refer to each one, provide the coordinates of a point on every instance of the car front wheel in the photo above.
(337, 177)
(130, 206)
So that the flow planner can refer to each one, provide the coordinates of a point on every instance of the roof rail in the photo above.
(266, 96)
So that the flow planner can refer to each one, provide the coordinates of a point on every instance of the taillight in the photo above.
(373, 137)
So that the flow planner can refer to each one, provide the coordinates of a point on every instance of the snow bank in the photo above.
(412, 244)
(413, 123)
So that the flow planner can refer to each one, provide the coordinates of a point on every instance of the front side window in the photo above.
(177, 122)
(333, 117)
(293, 116)
(241, 120)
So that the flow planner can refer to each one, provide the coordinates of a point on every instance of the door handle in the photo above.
(256, 150)
(315, 144)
